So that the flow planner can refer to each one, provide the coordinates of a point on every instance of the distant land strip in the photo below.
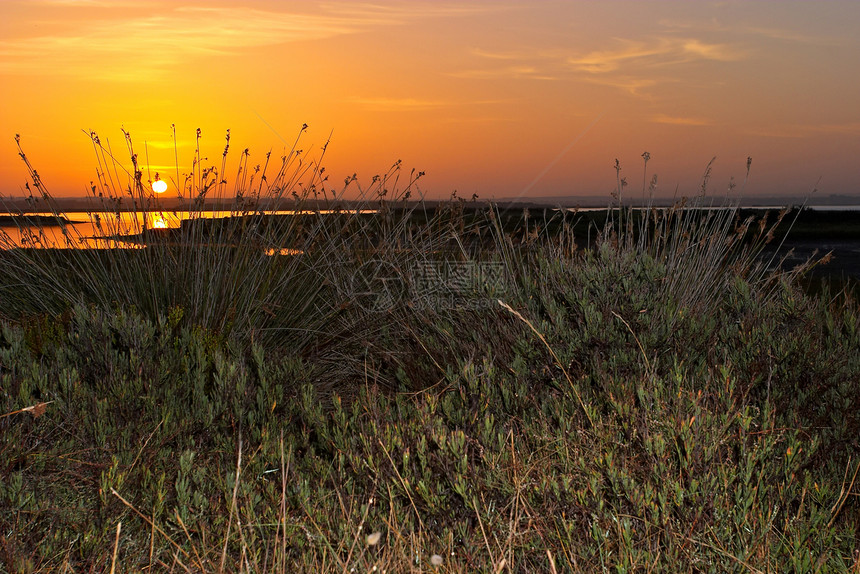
(9, 220)
(19, 205)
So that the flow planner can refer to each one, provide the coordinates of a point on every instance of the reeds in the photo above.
(214, 266)
(275, 259)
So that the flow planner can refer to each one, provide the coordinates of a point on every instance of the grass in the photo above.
(659, 401)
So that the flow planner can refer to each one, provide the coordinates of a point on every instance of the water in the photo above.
(834, 207)
(103, 229)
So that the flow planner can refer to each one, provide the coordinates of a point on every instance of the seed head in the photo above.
(373, 539)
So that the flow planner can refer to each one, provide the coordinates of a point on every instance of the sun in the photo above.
(159, 186)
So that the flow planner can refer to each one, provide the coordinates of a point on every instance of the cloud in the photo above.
(790, 36)
(415, 104)
(522, 64)
(653, 52)
(796, 131)
(145, 44)
(610, 61)
(516, 72)
(849, 128)
(630, 66)
(407, 11)
(633, 85)
(499, 55)
(398, 104)
(529, 55)
(636, 66)
(680, 121)
(751, 32)
(486, 120)
(780, 132)
(91, 3)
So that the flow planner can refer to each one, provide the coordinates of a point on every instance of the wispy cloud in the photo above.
(398, 104)
(524, 71)
(796, 131)
(680, 120)
(514, 64)
(483, 120)
(742, 31)
(849, 128)
(417, 104)
(408, 11)
(91, 3)
(793, 36)
(633, 85)
(653, 52)
(803, 32)
(631, 65)
(146, 43)
(779, 132)
(520, 55)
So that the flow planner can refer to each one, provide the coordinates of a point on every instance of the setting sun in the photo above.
(159, 186)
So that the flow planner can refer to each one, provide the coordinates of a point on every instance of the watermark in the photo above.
(380, 286)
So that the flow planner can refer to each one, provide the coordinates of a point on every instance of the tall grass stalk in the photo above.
(701, 241)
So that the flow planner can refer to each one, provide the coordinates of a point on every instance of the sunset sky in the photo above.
(502, 99)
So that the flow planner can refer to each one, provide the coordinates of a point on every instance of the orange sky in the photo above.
(497, 98)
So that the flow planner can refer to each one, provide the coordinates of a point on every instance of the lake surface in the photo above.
(103, 229)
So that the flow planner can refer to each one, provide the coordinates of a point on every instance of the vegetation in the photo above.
(423, 391)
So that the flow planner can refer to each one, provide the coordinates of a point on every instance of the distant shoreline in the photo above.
(23, 205)
(838, 222)
(12, 219)
(819, 230)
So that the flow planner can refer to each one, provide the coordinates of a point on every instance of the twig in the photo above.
(148, 521)
(551, 562)
(188, 537)
(843, 494)
(146, 442)
(483, 532)
(635, 338)
(115, 547)
(554, 356)
(404, 483)
(232, 505)
(36, 410)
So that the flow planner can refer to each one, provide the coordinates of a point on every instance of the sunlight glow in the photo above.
(159, 186)
(158, 221)
(271, 252)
